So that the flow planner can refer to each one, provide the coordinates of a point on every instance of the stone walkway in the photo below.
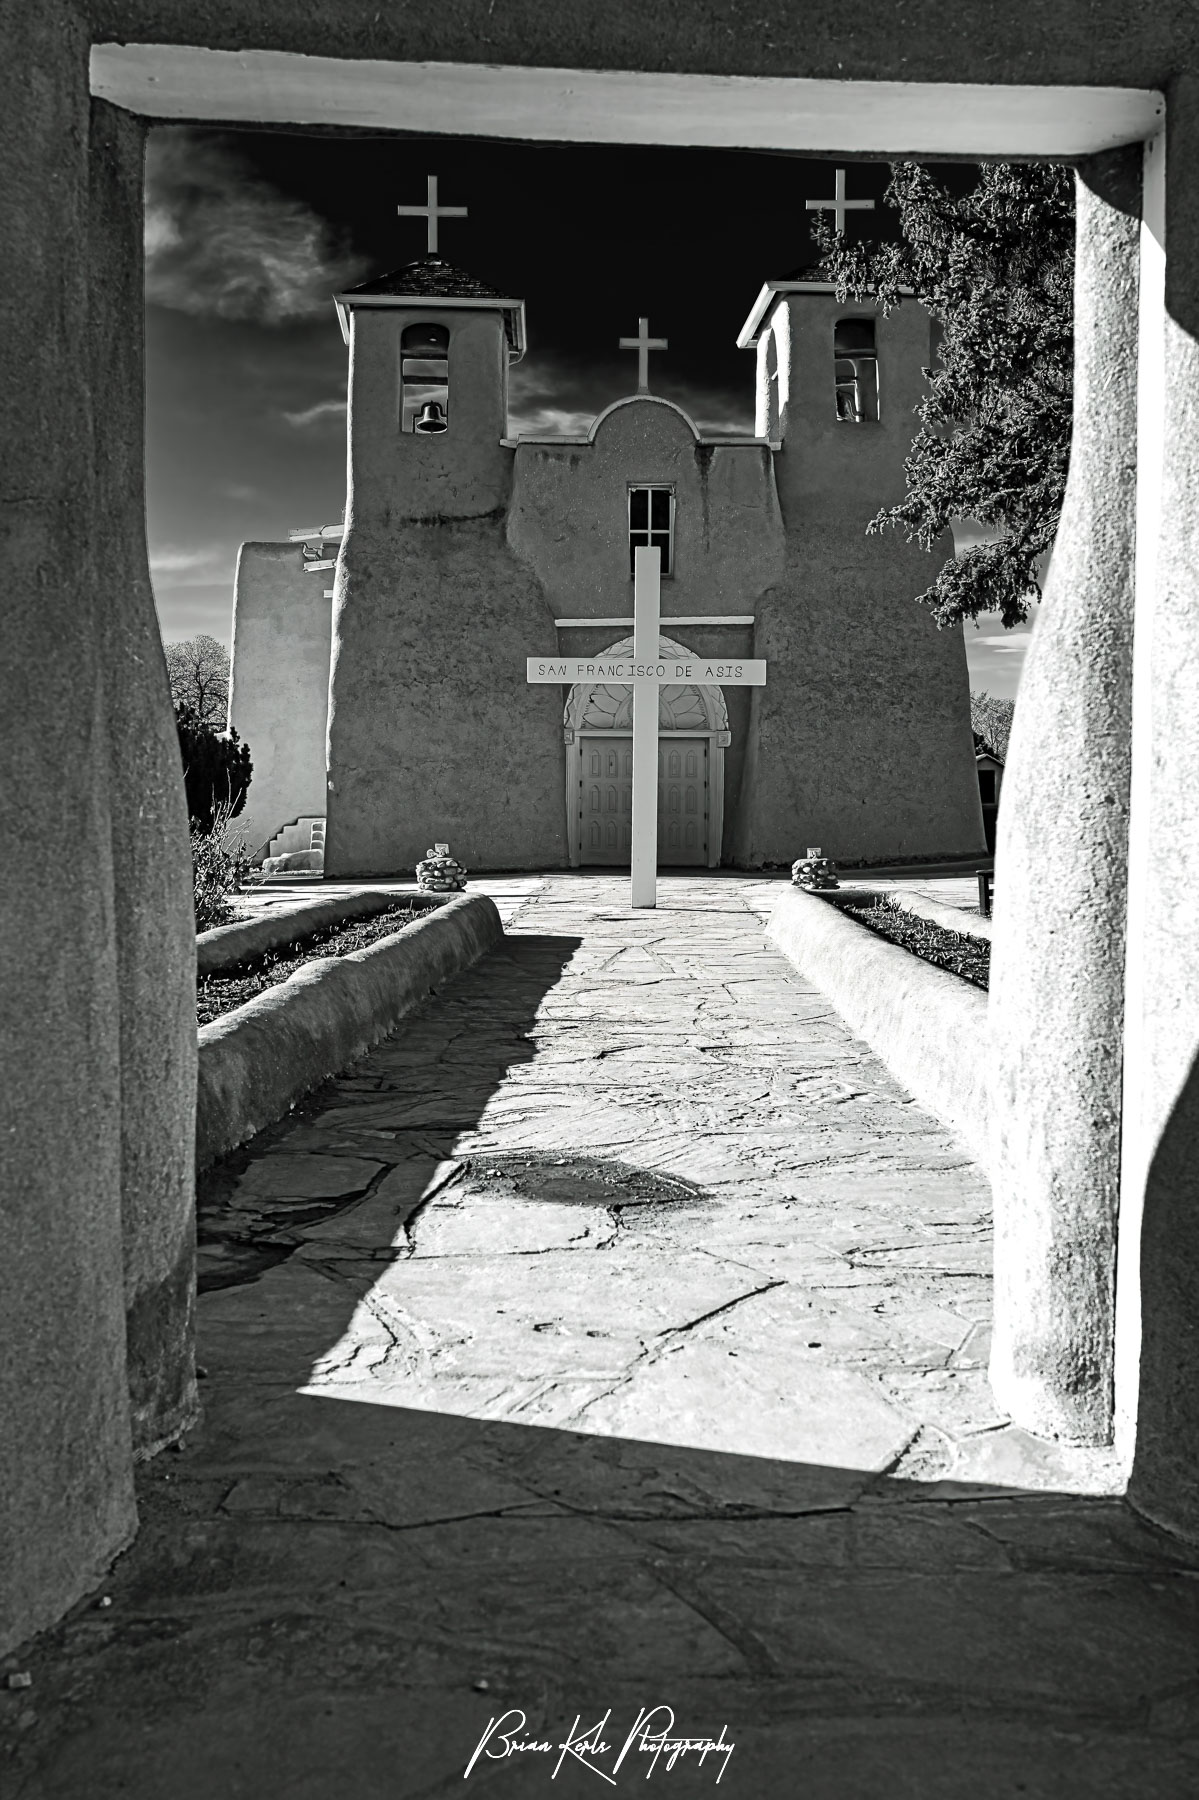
(614, 1336)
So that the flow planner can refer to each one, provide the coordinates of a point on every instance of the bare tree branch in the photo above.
(199, 673)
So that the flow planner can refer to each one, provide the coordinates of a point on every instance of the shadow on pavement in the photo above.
(332, 1597)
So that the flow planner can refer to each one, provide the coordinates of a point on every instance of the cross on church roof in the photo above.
(839, 205)
(643, 343)
(431, 212)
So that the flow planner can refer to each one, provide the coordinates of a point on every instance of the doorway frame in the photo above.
(820, 117)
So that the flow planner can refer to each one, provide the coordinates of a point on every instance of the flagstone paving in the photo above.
(615, 1335)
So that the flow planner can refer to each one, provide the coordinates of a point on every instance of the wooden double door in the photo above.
(606, 800)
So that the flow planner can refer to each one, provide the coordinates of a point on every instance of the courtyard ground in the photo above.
(614, 1337)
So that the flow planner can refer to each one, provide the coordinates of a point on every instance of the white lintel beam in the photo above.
(698, 619)
(617, 106)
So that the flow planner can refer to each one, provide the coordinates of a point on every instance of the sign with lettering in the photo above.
(746, 672)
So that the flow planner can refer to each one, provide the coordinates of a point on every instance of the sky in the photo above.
(249, 234)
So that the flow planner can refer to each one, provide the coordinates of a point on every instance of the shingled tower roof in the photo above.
(429, 276)
(432, 279)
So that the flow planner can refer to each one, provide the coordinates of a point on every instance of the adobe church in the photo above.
(379, 669)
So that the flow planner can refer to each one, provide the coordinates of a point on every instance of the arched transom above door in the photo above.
(607, 707)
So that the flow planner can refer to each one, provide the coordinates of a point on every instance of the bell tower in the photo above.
(428, 392)
(425, 566)
(854, 660)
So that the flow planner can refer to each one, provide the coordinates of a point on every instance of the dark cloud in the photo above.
(551, 395)
(222, 242)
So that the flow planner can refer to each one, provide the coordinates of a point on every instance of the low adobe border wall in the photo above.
(259, 1059)
(950, 918)
(227, 945)
(929, 1027)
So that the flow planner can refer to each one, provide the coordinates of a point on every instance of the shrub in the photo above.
(216, 769)
(220, 862)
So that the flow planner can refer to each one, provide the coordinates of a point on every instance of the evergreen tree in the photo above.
(995, 269)
(216, 769)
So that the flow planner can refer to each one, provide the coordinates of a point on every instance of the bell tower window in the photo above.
(855, 371)
(770, 393)
(651, 522)
(425, 379)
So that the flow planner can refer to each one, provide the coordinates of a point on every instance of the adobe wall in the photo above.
(861, 740)
(1099, 42)
(1164, 1025)
(433, 732)
(97, 1069)
(151, 856)
(1057, 962)
(279, 690)
(66, 1502)
(728, 541)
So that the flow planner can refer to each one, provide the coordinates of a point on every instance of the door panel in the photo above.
(606, 801)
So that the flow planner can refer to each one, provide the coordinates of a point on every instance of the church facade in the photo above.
(383, 689)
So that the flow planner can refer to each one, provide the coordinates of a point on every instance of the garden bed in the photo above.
(219, 991)
(262, 1055)
(928, 1025)
(963, 955)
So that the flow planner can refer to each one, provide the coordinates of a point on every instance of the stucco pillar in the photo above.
(1164, 1021)
(1061, 878)
(154, 921)
(66, 1497)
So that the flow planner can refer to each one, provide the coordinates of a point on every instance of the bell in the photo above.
(431, 418)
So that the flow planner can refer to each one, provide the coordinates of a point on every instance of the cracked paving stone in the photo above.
(309, 1177)
(616, 1334)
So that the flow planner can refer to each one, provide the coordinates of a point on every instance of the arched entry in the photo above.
(693, 732)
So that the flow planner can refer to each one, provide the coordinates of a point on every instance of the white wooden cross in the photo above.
(839, 205)
(431, 212)
(647, 670)
(643, 343)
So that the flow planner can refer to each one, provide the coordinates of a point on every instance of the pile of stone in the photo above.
(293, 859)
(439, 873)
(814, 871)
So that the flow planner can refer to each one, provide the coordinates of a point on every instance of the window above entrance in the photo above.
(651, 522)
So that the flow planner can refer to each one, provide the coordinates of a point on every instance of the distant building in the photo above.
(381, 684)
(990, 780)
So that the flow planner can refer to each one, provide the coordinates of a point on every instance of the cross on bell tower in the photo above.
(431, 212)
(643, 343)
(839, 205)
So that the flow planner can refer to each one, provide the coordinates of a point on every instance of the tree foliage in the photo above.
(995, 269)
(199, 672)
(216, 770)
(991, 720)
